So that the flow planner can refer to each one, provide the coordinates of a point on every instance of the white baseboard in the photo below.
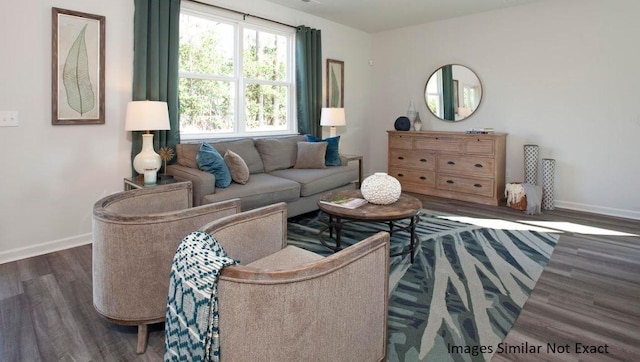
(628, 214)
(44, 248)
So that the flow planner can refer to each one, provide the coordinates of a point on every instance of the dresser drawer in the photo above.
(466, 165)
(412, 159)
(475, 186)
(401, 142)
(479, 146)
(441, 144)
(416, 177)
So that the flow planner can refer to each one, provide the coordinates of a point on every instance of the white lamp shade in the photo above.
(147, 116)
(332, 117)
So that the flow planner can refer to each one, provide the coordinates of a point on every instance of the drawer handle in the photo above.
(450, 181)
(423, 177)
(400, 175)
(451, 163)
(477, 185)
(400, 158)
(423, 160)
(478, 165)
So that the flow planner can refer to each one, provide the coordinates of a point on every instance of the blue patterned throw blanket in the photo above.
(191, 329)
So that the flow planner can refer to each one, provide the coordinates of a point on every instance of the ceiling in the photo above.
(379, 15)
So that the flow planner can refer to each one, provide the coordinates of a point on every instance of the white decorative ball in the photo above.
(381, 189)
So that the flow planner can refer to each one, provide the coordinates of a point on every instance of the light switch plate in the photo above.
(9, 119)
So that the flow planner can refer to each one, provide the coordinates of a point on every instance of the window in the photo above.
(236, 78)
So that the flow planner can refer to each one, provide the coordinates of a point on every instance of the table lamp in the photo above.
(332, 117)
(147, 116)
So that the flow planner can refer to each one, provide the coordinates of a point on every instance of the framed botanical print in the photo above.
(77, 67)
(335, 83)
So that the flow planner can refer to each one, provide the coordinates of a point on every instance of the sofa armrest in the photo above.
(203, 182)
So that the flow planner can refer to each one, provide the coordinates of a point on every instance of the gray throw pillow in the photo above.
(237, 167)
(311, 155)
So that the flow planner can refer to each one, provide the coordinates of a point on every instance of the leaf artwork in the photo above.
(75, 76)
(335, 90)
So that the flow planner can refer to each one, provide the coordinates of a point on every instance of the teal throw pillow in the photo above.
(332, 157)
(210, 160)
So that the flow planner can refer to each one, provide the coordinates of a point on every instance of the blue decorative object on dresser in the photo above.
(402, 124)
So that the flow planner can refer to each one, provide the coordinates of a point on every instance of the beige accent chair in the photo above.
(135, 235)
(283, 303)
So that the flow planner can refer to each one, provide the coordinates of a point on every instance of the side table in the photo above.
(359, 159)
(132, 183)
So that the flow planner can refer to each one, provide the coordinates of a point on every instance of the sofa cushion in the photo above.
(278, 153)
(313, 181)
(311, 155)
(237, 167)
(332, 157)
(287, 258)
(262, 189)
(211, 161)
(245, 148)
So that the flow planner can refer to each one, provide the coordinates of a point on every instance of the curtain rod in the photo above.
(244, 15)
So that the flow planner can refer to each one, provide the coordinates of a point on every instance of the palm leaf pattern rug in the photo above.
(464, 290)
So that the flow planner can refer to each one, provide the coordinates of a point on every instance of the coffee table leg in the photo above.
(330, 226)
(338, 227)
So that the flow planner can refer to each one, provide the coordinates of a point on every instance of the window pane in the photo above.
(206, 47)
(206, 105)
(265, 55)
(266, 107)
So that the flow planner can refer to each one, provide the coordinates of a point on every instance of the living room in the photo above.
(555, 73)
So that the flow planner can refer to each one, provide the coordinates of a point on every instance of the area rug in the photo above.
(462, 294)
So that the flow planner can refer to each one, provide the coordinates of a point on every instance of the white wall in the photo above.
(52, 175)
(562, 74)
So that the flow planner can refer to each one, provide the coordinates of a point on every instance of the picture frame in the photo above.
(335, 83)
(77, 67)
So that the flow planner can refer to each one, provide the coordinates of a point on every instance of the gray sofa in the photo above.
(272, 176)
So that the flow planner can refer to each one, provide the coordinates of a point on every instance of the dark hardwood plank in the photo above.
(17, 336)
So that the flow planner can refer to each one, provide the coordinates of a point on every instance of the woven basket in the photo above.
(520, 204)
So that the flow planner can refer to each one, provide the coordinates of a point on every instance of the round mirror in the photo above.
(453, 92)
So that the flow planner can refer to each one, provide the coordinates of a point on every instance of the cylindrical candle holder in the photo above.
(531, 164)
(548, 175)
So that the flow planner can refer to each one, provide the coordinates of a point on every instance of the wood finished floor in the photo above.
(589, 293)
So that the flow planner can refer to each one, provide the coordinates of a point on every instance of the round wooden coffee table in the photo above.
(407, 207)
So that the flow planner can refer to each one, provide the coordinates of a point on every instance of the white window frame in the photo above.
(238, 79)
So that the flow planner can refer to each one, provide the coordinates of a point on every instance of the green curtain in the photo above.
(309, 80)
(448, 92)
(155, 65)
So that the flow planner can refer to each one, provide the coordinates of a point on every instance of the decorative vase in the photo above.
(548, 175)
(417, 124)
(531, 164)
(411, 112)
(381, 189)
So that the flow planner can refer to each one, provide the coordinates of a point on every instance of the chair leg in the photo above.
(143, 337)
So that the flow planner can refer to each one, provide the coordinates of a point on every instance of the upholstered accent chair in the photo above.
(283, 303)
(135, 235)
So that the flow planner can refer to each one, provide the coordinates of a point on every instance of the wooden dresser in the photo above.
(456, 165)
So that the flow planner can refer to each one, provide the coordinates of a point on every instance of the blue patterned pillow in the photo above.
(332, 157)
(210, 160)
